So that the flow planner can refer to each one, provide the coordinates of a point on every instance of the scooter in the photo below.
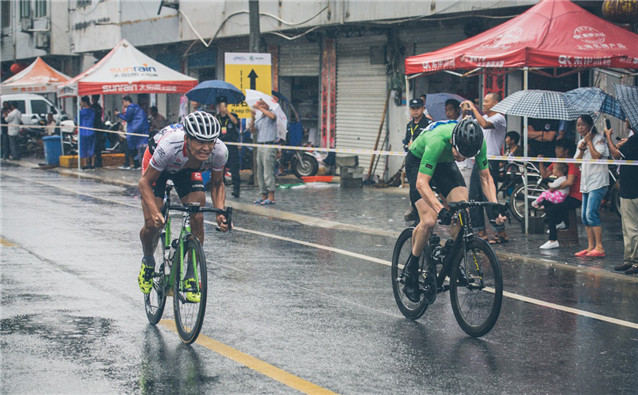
(300, 163)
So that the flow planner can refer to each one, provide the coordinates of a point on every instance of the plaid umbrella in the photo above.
(538, 104)
(628, 98)
(594, 100)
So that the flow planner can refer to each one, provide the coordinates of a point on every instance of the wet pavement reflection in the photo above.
(72, 316)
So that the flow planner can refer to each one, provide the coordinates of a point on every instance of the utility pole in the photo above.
(254, 38)
(253, 21)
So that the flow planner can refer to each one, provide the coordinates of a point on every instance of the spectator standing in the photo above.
(100, 137)
(414, 128)
(423, 97)
(556, 215)
(51, 126)
(14, 119)
(158, 122)
(593, 183)
(263, 124)
(87, 134)
(229, 123)
(494, 128)
(136, 132)
(627, 149)
(541, 134)
(453, 113)
(5, 131)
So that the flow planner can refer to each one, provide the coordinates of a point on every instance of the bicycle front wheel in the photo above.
(402, 249)
(189, 314)
(476, 288)
(155, 300)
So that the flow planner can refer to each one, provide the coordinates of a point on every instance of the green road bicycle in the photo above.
(470, 264)
(173, 259)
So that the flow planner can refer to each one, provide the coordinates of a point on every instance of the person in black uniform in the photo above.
(417, 124)
(100, 137)
(230, 133)
(415, 127)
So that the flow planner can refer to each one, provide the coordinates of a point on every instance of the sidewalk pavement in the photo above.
(379, 211)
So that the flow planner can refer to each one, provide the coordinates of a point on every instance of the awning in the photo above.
(126, 70)
(553, 33)
(38, 77)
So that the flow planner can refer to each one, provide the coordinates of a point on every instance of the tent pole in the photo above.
(77, 116)
(525, 150)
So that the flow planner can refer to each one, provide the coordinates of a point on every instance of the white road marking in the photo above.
(511, 295)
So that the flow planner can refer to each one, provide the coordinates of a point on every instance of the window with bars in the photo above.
(40, 8)
(25, 8)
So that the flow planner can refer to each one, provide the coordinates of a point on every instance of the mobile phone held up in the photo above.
(607, 123)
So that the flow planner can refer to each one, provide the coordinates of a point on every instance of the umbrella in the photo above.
(253, 96)
(435, 104)
(538, 104)
(628, 98)
(207, 92)
(594, 100)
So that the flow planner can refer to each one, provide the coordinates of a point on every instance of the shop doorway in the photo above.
(303, 93)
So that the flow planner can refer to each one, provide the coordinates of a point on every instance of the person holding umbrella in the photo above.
(229, 123)
(263, 124)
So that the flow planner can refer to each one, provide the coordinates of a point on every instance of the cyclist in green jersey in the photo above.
(430, 161)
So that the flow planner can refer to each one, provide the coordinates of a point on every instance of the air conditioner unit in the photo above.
(41, 40)
(26, 24)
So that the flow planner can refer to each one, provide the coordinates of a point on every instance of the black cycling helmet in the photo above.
(467, 138)
(202, 126)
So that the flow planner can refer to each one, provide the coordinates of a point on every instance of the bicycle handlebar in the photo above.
(502, 208)
(192, 209)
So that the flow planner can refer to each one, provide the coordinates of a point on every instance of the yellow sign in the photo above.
(248, 71)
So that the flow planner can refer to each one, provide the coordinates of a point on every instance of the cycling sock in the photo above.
(413, 263)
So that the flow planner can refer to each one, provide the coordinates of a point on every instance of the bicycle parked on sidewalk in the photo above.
(474, 272)
(173, 258)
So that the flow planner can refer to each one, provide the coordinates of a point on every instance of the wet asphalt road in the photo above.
(73, 320)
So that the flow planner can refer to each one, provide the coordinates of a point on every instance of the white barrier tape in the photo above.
(383, 153)
(74, 127)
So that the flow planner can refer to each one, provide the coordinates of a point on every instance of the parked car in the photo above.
(34, 108)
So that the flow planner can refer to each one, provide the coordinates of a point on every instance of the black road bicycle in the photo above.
(469, 262)
(172, 259)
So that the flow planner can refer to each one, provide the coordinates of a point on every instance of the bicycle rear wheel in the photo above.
(189, 316)
(402, 249)
(476, 288)
(155, 300)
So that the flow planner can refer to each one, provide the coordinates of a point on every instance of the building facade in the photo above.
(339, 61)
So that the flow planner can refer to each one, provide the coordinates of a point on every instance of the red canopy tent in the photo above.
(553, 33)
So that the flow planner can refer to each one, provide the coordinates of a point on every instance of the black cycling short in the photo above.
(185, 181)
(447, 176)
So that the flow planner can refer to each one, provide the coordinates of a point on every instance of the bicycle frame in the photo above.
(461, 239)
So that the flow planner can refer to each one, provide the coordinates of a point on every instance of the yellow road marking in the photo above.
(253, 363)
(6, 243)
(522, 298)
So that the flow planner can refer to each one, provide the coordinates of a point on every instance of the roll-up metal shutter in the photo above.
(299, 58)
(361, 92)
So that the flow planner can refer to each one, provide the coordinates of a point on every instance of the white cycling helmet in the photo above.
(202, 126)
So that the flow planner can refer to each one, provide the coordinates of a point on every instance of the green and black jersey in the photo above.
(435, 147)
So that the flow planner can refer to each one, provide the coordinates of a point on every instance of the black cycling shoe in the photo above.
(411, 287)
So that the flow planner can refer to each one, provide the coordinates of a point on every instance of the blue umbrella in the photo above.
(207, 92)
(435, 104)
(594, 100)
(628, 98)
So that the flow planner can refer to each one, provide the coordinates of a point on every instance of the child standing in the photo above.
(555, 195)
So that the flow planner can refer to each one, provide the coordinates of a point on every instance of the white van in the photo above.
(34, 107)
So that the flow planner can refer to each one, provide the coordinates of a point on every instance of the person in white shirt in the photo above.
(594, 180)
(14, 118)
(494, 128)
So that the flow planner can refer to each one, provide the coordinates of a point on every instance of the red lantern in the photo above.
(16, 68)
(621, 11)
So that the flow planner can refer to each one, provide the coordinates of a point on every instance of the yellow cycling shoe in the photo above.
(145, 278)
(192, 290)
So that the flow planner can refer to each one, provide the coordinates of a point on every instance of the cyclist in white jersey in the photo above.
(180, 153)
